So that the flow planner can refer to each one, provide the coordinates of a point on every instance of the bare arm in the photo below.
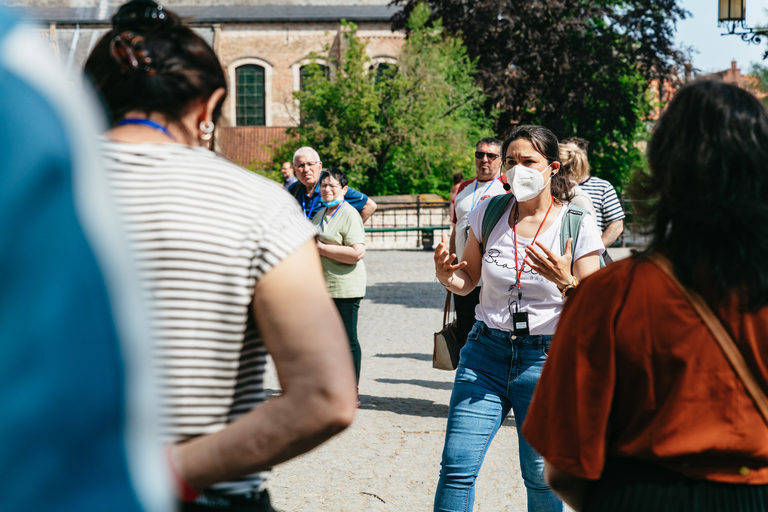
(452, 241)
(368, 209)
(342, 253)
(568, 488)
(612, 232)
(303, 333)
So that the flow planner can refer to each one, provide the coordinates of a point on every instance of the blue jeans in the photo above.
(495, 374)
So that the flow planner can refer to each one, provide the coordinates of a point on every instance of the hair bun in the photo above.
(130, 51)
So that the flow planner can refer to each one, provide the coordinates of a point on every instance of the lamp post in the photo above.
(731, 16)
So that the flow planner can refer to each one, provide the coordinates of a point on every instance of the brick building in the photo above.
(262, 47)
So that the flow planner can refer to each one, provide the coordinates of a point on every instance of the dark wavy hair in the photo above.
(335, 173)
(545, 143)
(153, 63)
(706, 193)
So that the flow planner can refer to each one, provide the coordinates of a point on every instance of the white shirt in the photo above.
(541, 298)
(468, 197)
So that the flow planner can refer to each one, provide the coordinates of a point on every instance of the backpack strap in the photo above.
(571, 227)
(496, 207)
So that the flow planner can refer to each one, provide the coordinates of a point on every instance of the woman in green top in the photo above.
(341, 244)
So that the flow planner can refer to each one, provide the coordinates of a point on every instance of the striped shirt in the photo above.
(205, 231)
(605, 201)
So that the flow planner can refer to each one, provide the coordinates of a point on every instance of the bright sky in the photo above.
(715, 52)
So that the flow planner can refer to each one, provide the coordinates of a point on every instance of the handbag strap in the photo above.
(447, 307)
(715, 327)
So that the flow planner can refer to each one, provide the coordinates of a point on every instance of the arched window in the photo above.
(250, 96)
(303, 72)
(382, 69)
(381, 66)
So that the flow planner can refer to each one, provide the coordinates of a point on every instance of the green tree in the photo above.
(578, 67)
(403, 130)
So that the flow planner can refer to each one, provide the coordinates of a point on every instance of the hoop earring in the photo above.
(207, 128)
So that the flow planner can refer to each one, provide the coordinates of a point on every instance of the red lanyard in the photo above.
(519, 268)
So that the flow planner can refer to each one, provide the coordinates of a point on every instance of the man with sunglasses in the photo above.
(308, 167)
(488, 182)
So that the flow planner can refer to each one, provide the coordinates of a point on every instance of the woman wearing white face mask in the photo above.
(526, 279)
(341, 245)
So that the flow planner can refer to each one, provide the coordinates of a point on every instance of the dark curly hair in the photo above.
(150, 62)
(545, 143)
(706, 193)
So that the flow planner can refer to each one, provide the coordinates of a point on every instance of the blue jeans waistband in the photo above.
(535, 340)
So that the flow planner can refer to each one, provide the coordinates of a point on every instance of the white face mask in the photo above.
(526, 183)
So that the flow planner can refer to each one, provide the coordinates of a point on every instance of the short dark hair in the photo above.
(458, 178)
(488, 140)
(582, 144)
(335, 173)
(545, 143)
(706, 192)
(153, 65)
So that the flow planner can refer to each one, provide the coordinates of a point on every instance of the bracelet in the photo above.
(183, 489)
(450, 283)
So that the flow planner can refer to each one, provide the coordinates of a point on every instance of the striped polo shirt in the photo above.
(205, 231)
(605, 201)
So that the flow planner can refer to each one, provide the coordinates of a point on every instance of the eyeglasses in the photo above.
(491, 156)
(140, 15)
(305, 165)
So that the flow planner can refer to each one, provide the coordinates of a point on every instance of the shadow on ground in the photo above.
(405, 406)
(412, 355)
(411, 295)
(417, 382)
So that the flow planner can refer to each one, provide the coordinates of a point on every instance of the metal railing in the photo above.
(635, 231)
(408, 223)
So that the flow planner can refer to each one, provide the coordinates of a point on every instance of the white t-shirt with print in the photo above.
(541, 298)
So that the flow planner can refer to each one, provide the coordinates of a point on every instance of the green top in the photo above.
(344, 280)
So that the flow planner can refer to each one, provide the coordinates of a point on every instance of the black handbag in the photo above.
(445, 353)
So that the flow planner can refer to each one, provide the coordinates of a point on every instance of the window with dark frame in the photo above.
(304, 71)
(249, 98)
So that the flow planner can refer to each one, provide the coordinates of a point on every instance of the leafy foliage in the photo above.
(404, 129)
(578, 67)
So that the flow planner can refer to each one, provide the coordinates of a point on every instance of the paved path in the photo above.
(389, 459)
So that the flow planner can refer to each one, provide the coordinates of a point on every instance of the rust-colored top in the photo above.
(633, 372)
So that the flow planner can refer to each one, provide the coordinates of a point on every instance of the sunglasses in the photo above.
(491, 156)
(140, 15)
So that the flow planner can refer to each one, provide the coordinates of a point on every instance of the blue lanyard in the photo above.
(147, 122)
(483, 192)
(332, 216)
(308, 213)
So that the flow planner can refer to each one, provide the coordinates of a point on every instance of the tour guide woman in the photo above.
(342, 248)
(526, 278)
(650, 415)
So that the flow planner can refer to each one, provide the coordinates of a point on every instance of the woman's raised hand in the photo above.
(549, 265)
(444, 267)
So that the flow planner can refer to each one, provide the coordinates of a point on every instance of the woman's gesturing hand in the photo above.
(549, 265)
(444, 267)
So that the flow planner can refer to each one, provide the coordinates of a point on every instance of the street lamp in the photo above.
(731, 10)
(731, 16)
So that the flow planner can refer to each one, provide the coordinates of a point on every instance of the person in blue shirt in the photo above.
(77, 428)
(308, 167)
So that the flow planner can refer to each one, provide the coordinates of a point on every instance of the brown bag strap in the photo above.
(447, 307)
(714, 325)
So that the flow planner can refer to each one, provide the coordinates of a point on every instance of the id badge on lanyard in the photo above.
(520, 318)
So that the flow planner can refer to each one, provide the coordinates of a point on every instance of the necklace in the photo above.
(147, 122)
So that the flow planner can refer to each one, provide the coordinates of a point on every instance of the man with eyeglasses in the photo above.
(488, 182)
(307, 166)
